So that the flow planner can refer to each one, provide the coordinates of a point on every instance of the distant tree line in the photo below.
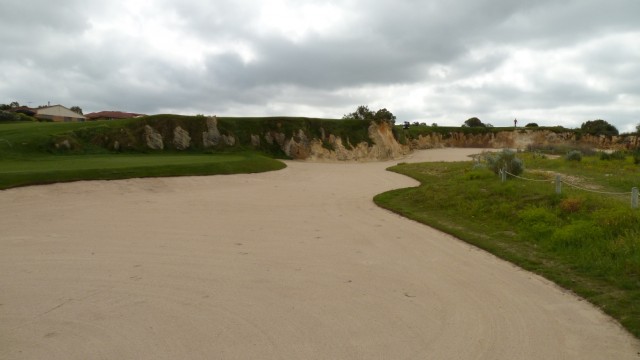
(9, 106)
(591, 127)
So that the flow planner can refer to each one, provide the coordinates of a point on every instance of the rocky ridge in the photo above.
(299, 146)
(308, 139)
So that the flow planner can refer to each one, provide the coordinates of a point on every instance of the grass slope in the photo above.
(27, 156)
(586, 242)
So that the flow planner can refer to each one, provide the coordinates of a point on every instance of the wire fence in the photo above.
(558, 181)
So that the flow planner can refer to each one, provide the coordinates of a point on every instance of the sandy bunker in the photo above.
(294, 264)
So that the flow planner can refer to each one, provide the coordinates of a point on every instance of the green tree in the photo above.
(361, 113)
(598, 127)
(384, 115)
(76, 109)
(473, 122)
(638, 128)
(531, 125)
(364, 113)
(12, 105)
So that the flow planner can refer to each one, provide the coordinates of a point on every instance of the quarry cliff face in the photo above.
(383, 146)
(523, 138)
(315, 143)
(299, 145)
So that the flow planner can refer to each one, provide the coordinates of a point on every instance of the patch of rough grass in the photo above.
(588, 243)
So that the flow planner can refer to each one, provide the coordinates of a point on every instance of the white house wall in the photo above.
(59, 112)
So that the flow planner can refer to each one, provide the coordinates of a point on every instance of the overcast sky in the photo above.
(554, 62)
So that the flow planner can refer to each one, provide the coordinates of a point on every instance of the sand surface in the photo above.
(293, 264)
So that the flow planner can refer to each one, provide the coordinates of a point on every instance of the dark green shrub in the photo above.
(506, 159)
(474, 122)
(574, 155)
(598, 127)
(8, 116)
(618, 155)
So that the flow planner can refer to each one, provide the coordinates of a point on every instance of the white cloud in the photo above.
(296, 20)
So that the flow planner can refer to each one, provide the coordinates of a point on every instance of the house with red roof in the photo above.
(111, 115)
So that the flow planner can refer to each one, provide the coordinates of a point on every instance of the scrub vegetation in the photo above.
(585, 241)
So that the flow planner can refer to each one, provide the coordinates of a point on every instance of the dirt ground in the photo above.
(293, 264)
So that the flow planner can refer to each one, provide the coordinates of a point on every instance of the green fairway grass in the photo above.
(64, 168)
(584, 241)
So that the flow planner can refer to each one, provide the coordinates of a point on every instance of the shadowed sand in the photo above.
(293, 264)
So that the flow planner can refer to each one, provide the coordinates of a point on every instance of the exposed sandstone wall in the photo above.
(520, 139)
(382, 144)
(299, 145)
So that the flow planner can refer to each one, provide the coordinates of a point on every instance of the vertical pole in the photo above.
(634, 198)
(503, 175)
(558, 185)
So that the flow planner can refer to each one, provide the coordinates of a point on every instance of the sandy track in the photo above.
(294, 264)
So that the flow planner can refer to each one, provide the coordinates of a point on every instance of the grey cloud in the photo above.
(47, 57)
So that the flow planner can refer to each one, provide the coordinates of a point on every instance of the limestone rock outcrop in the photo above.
(383, 146)
(181, 138)
(211, 137)
(152, 138)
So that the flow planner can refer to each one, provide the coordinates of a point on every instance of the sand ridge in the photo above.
(297, 263)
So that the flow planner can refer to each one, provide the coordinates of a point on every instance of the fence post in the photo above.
(503, 175)
(558, 185)
(634, 198)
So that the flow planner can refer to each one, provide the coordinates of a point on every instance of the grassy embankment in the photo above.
(116, 149)
(28, 156)
(586, 242)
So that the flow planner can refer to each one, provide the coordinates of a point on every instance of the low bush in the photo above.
(506, 159)
(636, 157)
(558, 149)
(574, 155)
(8, 116)
(616, 155)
